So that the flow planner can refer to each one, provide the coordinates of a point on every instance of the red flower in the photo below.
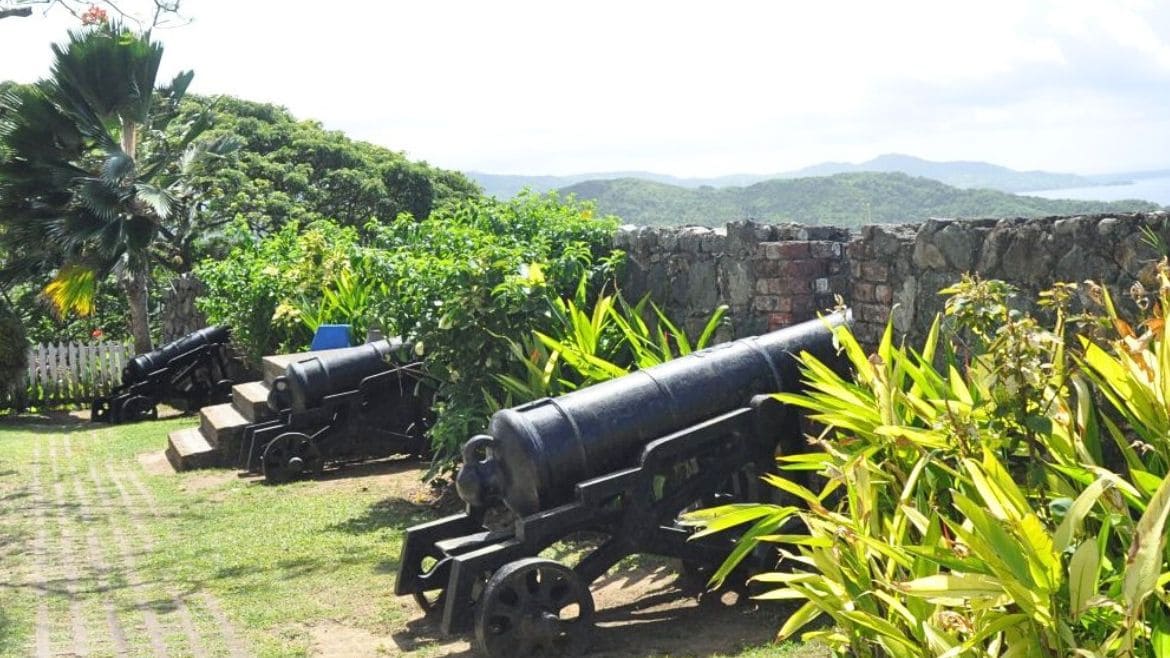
(97, 333)
(95, 15)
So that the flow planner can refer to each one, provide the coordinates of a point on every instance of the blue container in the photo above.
(330, 336)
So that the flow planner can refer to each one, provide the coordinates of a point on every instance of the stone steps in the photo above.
(223, 427)
(216, 442)
(251, 400)
(188, 449)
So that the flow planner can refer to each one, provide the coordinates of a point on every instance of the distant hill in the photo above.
(507, 185)
(962, 174)
(849, 199)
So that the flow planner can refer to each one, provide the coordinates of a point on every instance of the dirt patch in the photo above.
(397, 477)
(155, 463)
(641, 611)
(333, 640)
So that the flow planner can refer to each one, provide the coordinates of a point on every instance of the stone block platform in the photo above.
(216, 442)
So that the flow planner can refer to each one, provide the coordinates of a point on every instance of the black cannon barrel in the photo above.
(306, 383)
(142, 365)
(541, 450)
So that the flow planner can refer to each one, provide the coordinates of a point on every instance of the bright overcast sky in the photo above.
(689, 88)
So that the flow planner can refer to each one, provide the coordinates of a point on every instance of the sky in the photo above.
(687, 88)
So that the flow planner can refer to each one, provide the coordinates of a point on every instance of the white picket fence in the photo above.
(69, 373)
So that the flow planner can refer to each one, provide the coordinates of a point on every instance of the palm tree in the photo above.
(89, 186)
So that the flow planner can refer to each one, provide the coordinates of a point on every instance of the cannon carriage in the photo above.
(345, 405)
(192, 371)
(622, 459)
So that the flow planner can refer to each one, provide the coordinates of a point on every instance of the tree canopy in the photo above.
(295, 170)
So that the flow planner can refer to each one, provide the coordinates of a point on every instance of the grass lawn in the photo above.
(105, 552)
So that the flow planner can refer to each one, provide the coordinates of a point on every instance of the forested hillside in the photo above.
(844, 199)
(287, 168)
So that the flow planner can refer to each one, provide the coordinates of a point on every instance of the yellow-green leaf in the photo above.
(1143, 562)
(1083, 571)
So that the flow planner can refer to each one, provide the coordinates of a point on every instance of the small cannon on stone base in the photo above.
(346, 405)
(623, 459)
(192, 370)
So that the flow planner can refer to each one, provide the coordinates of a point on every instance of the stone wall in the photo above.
(769, 275)
(910, 264)
(774, 275)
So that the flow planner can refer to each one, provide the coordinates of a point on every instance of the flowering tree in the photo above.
(159, 13)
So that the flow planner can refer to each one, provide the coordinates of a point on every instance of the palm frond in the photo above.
(159, 200)
(117, 167)
(72, 289)
(108, 72)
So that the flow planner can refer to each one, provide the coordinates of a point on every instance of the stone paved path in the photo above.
(89, 542)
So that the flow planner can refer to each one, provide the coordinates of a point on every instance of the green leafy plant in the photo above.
(584, 347)
(348, 299)
(963, 512)
(473, 274)
(262, 288)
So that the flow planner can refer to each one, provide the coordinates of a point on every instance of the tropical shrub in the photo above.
(967, 508)
(474, 274)
(584, 347)
(458, 284)
(272, 291)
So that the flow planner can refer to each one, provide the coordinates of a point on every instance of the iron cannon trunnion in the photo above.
(621, 459)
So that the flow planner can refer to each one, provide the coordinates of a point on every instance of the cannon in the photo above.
(620, 460)
(345, 405)
(191, 371)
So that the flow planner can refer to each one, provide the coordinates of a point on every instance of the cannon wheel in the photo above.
(289, 455)
(534, 606)
(139, 408)
(430, 601)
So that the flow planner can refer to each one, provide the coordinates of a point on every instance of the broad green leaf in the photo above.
(1160, 632)
(1083, 572)
(951, 589)
(798, 620)
(1071, 525)
(1144, 559)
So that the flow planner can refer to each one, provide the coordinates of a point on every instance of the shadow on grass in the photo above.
(395, 513)
(48, 422)
(347, 470)
(66, 421)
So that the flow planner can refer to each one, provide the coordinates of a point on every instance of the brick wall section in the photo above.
(775, 275)
(796, 278)
(769, 275)
(879, 261)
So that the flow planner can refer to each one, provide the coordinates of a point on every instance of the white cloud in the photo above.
(690, 87)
